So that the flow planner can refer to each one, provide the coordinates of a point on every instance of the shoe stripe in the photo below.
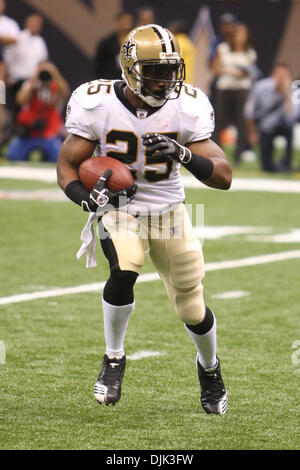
(224, 404)
(100, 392)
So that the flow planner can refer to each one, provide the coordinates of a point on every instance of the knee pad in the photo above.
(190, 305)
(187, 272)
(118, 290)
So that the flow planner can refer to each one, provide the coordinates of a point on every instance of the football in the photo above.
(91, 169)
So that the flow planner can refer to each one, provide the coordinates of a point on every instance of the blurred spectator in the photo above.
(2, 66)
(233, 66)
(270, 112)
(2, 93)
(178, 28)
(144, 15)
(107, 63)
(39, 120)
(9, 33)
(9, 30)
(226, 23)
(25, 55)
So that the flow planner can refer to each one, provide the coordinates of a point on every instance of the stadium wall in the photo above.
(73, 27)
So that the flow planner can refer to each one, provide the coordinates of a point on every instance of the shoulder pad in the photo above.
(93, 94)
(192, 100)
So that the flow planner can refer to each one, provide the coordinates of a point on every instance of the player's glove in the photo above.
(160, 145)
(101, 197)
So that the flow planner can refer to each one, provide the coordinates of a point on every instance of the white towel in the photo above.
(88, 242)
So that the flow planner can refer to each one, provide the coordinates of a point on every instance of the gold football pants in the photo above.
(174, 250)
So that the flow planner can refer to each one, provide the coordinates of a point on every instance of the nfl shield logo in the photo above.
(141, 114)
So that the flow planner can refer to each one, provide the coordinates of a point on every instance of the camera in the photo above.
(45, 76)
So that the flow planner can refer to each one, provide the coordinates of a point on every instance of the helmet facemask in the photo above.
(169, 74)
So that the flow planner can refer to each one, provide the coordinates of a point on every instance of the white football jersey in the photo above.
(99, 111)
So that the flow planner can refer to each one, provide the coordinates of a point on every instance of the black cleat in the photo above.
(107, 389)
(213, 392)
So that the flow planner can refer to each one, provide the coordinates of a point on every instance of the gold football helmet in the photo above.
(151, 53)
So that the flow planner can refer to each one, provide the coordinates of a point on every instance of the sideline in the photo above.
(48, 175)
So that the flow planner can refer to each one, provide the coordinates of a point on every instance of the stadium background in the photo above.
(54, 342)
(72, 29)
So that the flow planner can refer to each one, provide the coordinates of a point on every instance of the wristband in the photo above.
(185, 155)
(77, 192)
(202, 168)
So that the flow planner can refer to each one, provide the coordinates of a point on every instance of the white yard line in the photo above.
(216, 232)
(293, 236)
(253, 260)
(142, 354)
(48, 175)
(232, 294)
(35, 195)
(251, 184)
(93, 287)
(98, 286)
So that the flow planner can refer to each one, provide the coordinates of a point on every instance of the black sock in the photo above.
(205, 325)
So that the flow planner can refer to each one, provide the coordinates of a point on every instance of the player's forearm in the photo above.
(214, 172)
(66, 172)
(208, 151)
(73, 152)
(69, 181)
(221, 176)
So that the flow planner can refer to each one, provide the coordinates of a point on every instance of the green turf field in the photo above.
(54, 346)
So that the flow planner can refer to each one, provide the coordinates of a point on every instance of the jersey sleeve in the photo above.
(79, 119)
(198, 118)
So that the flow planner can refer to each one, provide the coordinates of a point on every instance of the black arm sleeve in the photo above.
(77, 192)
(202, 168)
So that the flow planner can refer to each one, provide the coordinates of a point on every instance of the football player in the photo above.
(153, 123)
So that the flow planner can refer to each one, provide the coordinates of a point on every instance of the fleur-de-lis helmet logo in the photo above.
(128, 49)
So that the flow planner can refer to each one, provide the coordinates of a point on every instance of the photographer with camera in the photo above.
(39, 120)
